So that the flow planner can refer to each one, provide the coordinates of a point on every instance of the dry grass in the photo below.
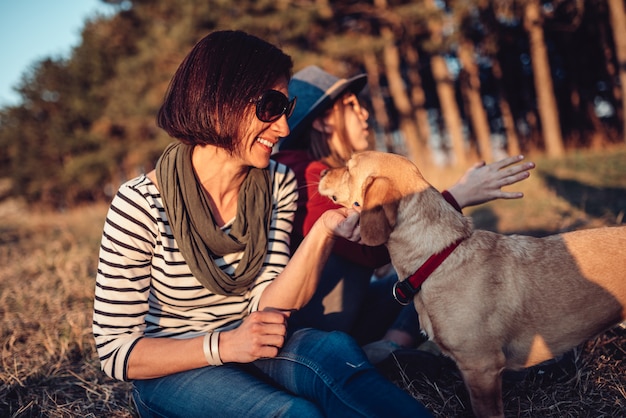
(590, 381)
(48, 260)
(49, 365)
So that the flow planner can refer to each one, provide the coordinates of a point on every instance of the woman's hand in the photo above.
(261, 334)
(483, 182)
(343, 223)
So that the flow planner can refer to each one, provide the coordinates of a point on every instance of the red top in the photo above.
(311, 205)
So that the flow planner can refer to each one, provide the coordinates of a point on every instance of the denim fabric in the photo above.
(316, 374)
(408, 322)
(380, 312)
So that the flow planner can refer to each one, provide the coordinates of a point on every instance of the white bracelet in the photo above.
(215, 348)
(211, 348)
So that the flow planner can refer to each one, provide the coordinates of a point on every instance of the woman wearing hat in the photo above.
(328, 125)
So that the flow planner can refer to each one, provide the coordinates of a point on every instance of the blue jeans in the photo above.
(316, 374)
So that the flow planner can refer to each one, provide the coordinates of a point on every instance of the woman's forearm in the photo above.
(295, 285)
(157, 357)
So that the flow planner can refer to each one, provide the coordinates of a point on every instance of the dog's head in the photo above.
(377, 182)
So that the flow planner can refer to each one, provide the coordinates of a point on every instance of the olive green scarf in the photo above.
(199, 239)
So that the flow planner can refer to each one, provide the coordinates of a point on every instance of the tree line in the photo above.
(448, 81)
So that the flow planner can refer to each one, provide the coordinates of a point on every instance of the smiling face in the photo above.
(260, 137)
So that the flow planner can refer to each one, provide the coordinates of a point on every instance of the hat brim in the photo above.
(354, 84)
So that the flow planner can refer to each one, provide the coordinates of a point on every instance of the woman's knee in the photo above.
(142, 409)
(332, 354)
(298, 408)
(309, 340)
(341, 344)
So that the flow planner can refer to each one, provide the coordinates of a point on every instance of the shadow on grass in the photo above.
(486, 219)
(600, 202)
(605, 203)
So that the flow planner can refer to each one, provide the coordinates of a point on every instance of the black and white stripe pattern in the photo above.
(144, 286)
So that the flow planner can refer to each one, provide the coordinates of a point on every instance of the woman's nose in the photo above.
(281, 126)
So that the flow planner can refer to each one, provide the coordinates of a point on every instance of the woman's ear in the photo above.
(322, 124)
(380, 208)
(318, 125)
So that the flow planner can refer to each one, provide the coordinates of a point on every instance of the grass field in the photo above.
(48, 261)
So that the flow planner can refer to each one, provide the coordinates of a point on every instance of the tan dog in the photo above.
(496, 301)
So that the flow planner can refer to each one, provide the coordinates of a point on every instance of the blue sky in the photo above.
(31, 30)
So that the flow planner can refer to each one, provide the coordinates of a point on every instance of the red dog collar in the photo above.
(403, 291)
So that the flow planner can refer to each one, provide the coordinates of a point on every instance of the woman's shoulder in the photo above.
(283, 178)
(279, 170)
(140, 190)
(317, 167)
(142, 182)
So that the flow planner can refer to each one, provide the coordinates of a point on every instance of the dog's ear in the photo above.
(380, 208)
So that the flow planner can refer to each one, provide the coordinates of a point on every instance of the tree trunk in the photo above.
(512, 140)
(476, 110)
(378, 102)
(418, 98)
(397, 89)
(444, 84)
(546, 102)
(449, 107)
(618, 24)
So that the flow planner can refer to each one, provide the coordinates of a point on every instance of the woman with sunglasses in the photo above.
(327, 127)
(195, 281)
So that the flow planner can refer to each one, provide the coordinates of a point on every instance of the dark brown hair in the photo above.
(209, 96)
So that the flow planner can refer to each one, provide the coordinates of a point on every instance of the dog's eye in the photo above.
(334, 198)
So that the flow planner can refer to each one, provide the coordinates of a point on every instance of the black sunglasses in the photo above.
(272, 104)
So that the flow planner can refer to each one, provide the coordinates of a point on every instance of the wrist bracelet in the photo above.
(211, 348)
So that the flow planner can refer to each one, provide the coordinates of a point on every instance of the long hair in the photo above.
(212, 90)
(319, 146)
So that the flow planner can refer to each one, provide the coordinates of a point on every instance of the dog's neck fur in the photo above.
(424, 211)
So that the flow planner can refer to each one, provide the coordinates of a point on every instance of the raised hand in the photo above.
(483, 182)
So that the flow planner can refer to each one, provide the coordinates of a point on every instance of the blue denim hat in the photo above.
(316, 91)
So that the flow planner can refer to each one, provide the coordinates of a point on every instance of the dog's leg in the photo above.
(483, 380)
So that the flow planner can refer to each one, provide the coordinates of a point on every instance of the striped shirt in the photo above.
(144, 286)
